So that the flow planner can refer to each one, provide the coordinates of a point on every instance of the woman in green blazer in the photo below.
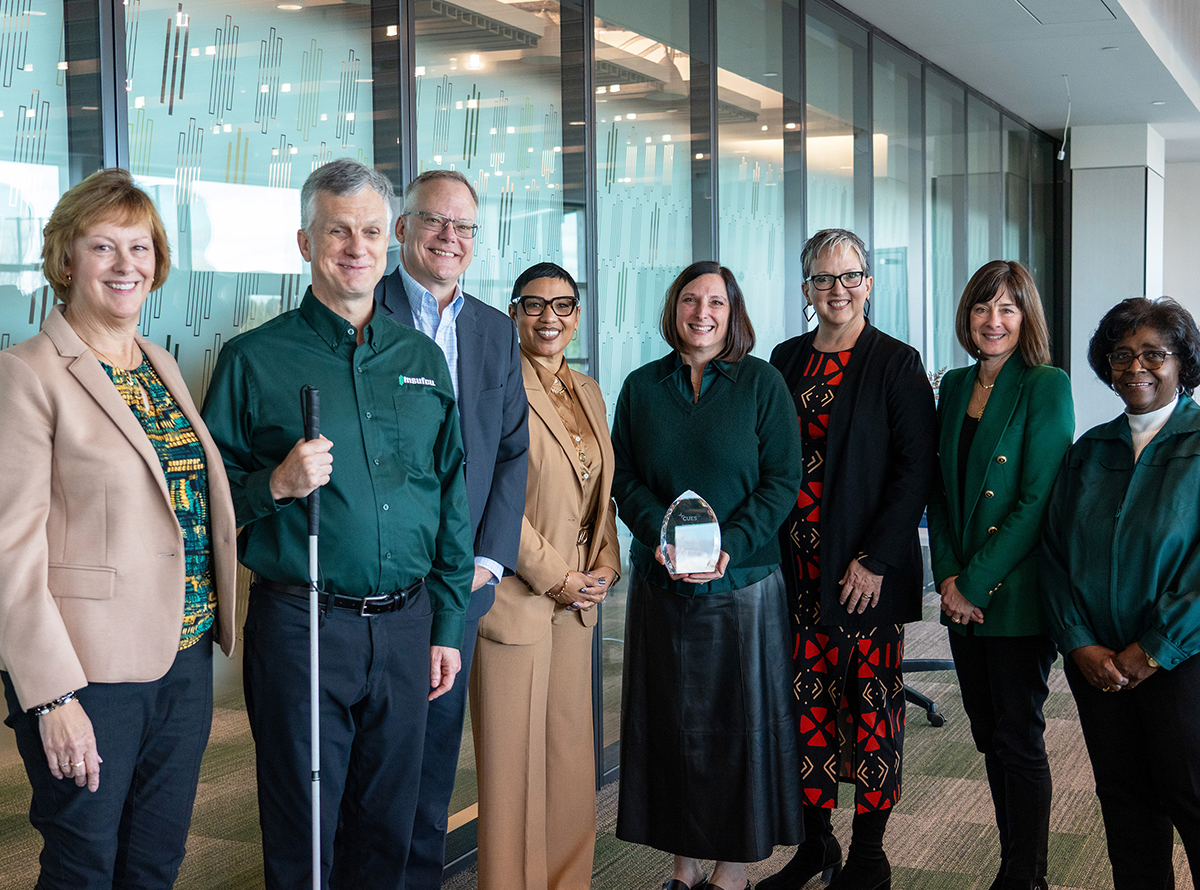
(1004, 425)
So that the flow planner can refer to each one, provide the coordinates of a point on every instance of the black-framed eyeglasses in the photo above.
(435, 222)
(1151, 359)
(535, 306)
(849, 280)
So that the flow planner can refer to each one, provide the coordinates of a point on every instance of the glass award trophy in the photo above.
(691, 536)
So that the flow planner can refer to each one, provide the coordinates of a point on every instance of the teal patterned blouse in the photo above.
(182, 458)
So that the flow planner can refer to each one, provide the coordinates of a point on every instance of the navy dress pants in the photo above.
(130, 832)
(1144, 745)
(374, 683)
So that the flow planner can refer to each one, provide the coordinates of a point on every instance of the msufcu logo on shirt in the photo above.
(416, 381)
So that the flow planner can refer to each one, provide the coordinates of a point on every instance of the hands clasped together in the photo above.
(1112, 671)
(582, 590)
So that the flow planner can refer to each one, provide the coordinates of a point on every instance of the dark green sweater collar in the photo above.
(673, 361)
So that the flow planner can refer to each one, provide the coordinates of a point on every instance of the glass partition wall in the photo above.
(620, 138)
(34, 159)
(230, 106)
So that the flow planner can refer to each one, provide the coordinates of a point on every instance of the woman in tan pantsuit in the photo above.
(530, 688)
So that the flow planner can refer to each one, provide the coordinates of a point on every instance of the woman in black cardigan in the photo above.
(852, 556)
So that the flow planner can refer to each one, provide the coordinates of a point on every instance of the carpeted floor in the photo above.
(941, 836)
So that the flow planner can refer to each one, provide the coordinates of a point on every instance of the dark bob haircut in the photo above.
(542, 270)
(739, 337)
(1033, 340)
(1163, 315)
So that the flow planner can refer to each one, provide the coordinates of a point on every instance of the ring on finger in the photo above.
(79, 763)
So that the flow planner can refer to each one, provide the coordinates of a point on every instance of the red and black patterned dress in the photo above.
(848, 681)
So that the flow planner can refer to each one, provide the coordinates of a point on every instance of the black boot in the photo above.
(1007, 883)
(867, 866)
(818, 854)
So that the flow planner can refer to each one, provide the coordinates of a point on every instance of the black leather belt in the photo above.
(363, 605)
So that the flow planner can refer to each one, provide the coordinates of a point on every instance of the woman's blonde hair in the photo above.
(106, 195)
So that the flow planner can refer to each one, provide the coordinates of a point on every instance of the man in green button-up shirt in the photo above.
(393, 512)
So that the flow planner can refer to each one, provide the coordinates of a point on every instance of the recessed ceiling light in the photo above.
(1159, 102)
(1108, 48)
(770, 74)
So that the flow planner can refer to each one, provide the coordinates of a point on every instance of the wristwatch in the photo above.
(1149, 658)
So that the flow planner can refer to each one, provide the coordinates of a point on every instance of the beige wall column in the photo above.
(1117, 193)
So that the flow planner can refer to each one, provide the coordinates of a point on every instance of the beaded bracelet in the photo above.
(555, 596)
(43, 710)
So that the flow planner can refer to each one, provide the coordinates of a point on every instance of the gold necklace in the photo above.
(985, 385)
(104, 355)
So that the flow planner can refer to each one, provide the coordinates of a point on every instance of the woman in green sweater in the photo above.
(708, 750)
(1121, 582)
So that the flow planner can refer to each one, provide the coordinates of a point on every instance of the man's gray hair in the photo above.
(829, 240)
(410, 190)
(342, 177)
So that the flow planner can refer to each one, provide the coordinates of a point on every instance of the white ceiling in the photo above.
(1003, 50)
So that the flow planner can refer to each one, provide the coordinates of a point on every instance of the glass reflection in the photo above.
(985, 209)
(227, 117)
(751, 130)
(1016, 191)
(489, 104)
(897, 260)
(33, 122)
(945, 198)
(644, 235)
(838, 129)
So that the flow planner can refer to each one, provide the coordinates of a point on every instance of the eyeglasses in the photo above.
(849, 280)
(1151, 359)
(535, 306)
(435, 222)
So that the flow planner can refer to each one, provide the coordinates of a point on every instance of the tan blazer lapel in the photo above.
(539, 403)
(592, 405)
(86, 369)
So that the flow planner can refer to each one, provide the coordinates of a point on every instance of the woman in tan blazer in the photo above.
(530, 688)
(117, 555)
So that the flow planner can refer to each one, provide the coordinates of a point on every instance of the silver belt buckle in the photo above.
(372, 600)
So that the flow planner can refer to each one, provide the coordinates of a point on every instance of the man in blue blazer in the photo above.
(436, 232)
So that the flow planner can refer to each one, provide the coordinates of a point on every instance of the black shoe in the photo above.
(709, 885)
(675, 884)
(875, 874)
(1004, 883)
(817, 855)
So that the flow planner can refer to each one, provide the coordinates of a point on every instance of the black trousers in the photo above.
(443, 734)
(130, 832)
(374, 680)
(1003, 683)
(1144, 745)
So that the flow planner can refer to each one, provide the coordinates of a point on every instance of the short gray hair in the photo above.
(830, 240)
(341, 177)
(410, 190)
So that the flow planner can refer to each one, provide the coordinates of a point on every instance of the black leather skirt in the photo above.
(709, 765)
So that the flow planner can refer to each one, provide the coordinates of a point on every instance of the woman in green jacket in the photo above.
(1121, 582)
(708, 744)
(1004, 425)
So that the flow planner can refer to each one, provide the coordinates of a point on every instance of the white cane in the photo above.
(311, 400)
